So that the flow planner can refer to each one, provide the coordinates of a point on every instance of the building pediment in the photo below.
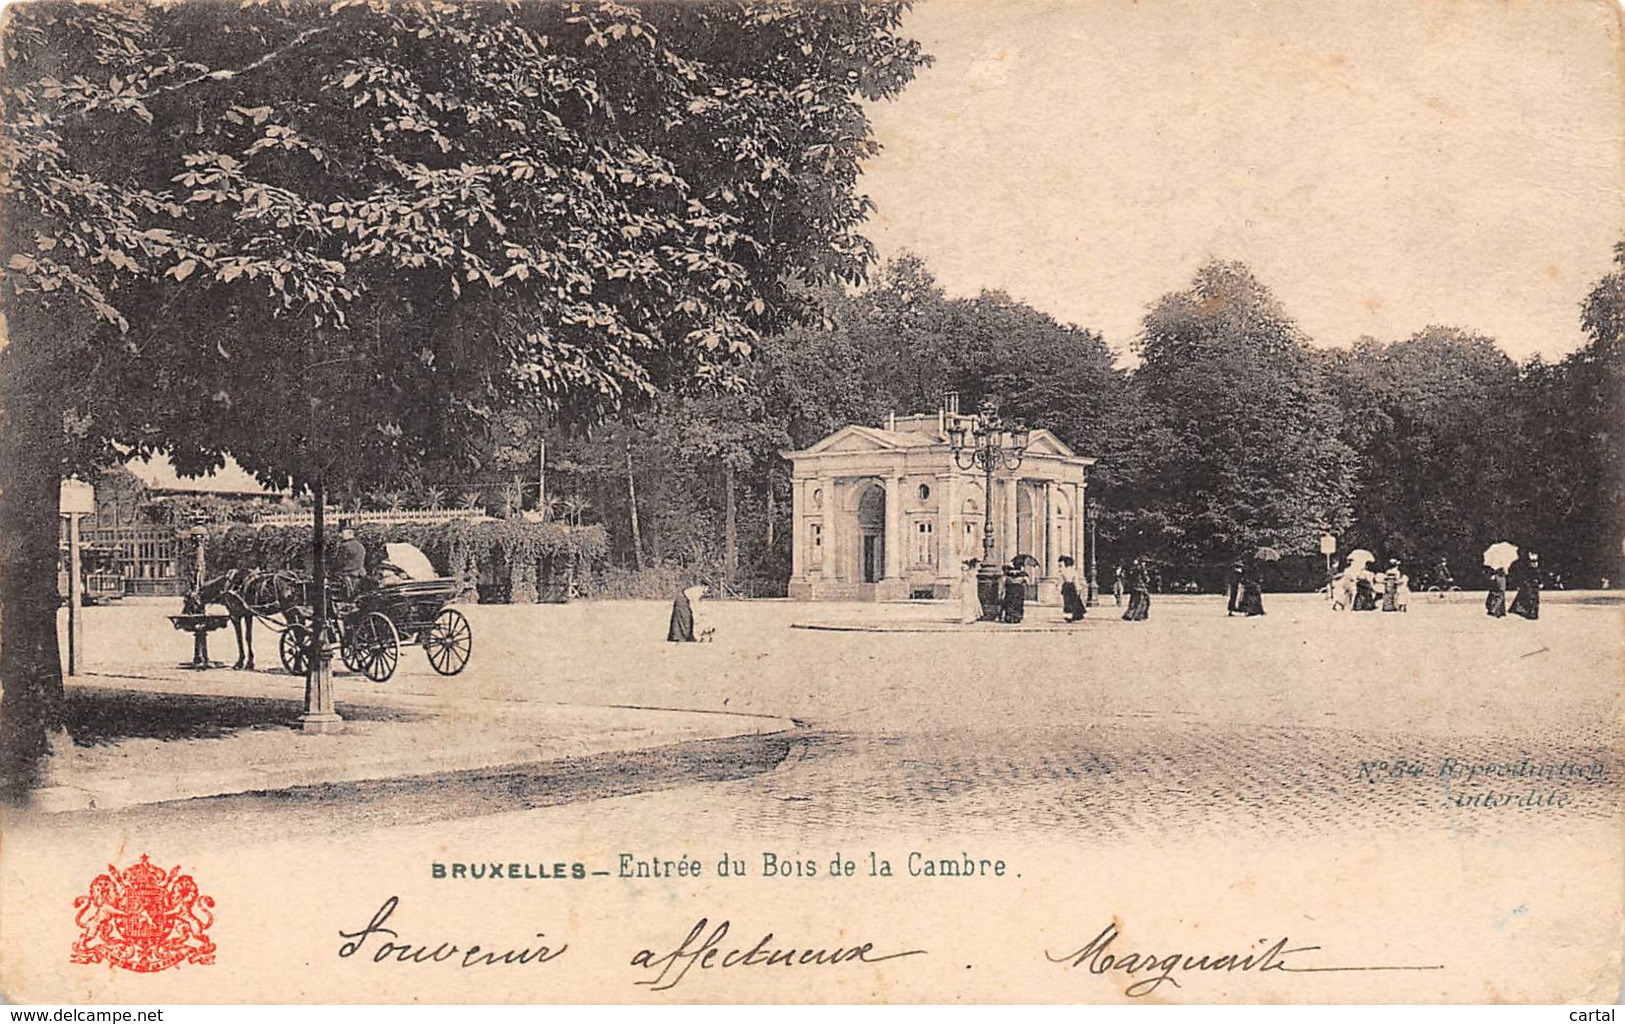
(1042, 442)
(857, 438)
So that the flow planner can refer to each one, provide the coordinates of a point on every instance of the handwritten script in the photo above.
(1097, 956)
(708, 953)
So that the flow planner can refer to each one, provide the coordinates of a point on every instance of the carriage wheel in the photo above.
(349, 649)
(377, 647)
(294, 647)
(448, 642)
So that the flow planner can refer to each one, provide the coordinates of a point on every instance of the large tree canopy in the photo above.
(1239, 446)
(336, 238)
(1571, 477)
(1434, 419)
(571, 204)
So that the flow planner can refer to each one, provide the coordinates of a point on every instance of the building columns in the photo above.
(829, 510)
(798, 529)
(947, 537)
(1007, 549)
(894, 528)
(1079, 527)
(1049, 529)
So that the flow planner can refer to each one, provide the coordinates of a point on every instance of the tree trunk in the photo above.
(772, 516)
(632, 505)
(730, 548)
(32, 708)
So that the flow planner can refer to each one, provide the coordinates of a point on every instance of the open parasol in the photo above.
(412, 563)
(1501, 555)
(1360, 559)
(1267, 555)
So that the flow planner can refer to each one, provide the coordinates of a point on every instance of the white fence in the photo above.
(334, 515)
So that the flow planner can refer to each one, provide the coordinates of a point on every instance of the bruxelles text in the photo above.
(766, 864)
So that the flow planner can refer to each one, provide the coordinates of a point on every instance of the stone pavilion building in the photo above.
(885, 514)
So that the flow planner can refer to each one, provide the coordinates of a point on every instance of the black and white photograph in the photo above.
(812, 502)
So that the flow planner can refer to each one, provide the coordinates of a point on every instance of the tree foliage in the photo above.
(337, 238)
(440, 208)
(1238, 446)
(1435, 420)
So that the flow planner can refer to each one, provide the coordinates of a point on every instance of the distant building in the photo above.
(130, 543)
(885, 514)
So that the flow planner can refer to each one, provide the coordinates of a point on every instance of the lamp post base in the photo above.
(320, 715)
(988, 580)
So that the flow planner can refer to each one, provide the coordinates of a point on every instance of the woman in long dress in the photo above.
(1365, 592)
(1071, 600)
(1495, 602)
(685, 616)
(1015, 592)
(970, 603)
(1390, 587)
(1527, 603)
(1139, 593)
(1250, 599)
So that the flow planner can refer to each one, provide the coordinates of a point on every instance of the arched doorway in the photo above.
(1063, 526)
(1026, 522)
(970, 530)
(872, 533)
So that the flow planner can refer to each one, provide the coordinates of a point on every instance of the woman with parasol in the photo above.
(1365, 582)
(1498, 557)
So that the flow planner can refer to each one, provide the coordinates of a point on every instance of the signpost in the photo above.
(76, 499)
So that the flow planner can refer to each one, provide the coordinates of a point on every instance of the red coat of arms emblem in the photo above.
(143, 919)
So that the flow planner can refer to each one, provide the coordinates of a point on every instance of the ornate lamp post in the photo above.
(986, 442)
(1091, 518)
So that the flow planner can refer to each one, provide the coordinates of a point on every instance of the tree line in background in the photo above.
(1229, 432)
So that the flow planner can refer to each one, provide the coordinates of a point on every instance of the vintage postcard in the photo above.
(812, 501)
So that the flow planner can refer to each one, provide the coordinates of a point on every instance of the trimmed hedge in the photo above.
(504, 560)
(613, 583)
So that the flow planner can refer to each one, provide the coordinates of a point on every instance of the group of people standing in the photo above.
(1527, 601)
(1358, 589)
(1012, 602)
(1013, 583)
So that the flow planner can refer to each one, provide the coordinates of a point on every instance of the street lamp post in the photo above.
(1092, 517)
(990, 444)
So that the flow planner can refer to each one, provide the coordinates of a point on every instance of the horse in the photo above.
(248, 594)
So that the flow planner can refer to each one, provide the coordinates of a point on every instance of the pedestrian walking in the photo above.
(1071, 601)
(1250, 599)
(686, 626)
(1234, 589)
(1527, 603)
(1117, 586)
(1495, 602)
(1390, 587)
(970, 601)
(1014, 601)
(1139, 593)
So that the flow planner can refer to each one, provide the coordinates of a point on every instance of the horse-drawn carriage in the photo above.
(368, 629)
(371, 631)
